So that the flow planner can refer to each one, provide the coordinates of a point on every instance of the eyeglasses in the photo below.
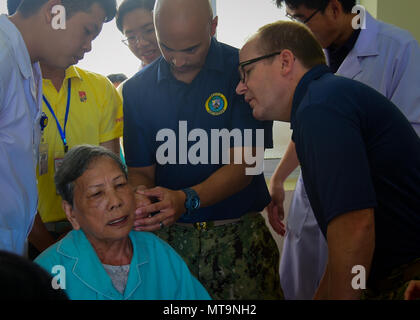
(133, 40)
(242, 72)
(300, 20)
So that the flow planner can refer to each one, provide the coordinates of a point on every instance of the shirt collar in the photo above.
(71, 72)
(348, 45)
(302, 87)
(366, 44)
(214, 61)
(18, 45)
(85, 260)
(336, 56)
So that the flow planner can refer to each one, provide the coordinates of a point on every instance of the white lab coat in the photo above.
(20, 132)
(388, 59)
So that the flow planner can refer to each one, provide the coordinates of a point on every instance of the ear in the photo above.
(336, 8)
(47, 10)
(287, 60)
(213, 25)
(68, 209)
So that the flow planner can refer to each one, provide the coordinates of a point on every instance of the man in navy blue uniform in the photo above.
(360, 160)
(188, 148)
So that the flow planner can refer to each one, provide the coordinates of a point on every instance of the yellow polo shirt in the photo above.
(95, 116)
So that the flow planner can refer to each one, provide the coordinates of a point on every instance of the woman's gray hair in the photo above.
(75, 163)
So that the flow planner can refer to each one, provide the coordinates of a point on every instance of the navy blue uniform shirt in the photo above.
(154, 101)
(358, 151)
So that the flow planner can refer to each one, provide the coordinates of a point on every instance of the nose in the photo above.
(88, 46)
(114, 200)
(178, 61)
(142, 41)
(241, 88)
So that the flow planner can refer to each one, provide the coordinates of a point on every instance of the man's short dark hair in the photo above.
(12, 6)
(22, 279)
(30, 7)
(117, 77)
(131, 5)
(316, 4)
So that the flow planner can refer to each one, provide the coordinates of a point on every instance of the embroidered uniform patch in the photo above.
(216, 104)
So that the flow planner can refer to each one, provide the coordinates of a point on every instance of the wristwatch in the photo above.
(192, 200)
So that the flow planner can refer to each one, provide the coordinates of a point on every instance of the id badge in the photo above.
(43, 159)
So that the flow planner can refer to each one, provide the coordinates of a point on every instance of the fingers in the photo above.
(282, 229)
(148, 228)
(145, 198)
(277, 199)
(275, 220)
(146, 222)
(151, 208)
(157, 222)
(413, 291)
(154, 192)
(408, 292)
(141, 200)
(140, 188)
(149, 222)
(168, 208)
(280, 211)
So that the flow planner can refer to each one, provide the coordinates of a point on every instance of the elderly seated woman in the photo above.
(103, 258)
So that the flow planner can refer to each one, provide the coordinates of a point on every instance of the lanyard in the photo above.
(61, 130)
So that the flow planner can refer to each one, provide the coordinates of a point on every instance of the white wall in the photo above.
(239, 19)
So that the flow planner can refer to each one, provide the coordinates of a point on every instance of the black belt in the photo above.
(206, 225)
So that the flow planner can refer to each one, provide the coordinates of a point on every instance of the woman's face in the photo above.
(103, 202)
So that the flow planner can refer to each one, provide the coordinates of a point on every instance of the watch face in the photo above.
(195, 203)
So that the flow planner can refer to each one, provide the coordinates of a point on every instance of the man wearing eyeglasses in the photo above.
(208, 212)
(135, 20)
(381, 56)
(360, 159)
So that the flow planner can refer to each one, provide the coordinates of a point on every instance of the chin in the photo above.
(257, 115)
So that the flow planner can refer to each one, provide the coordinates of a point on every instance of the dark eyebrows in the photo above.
(150, 24)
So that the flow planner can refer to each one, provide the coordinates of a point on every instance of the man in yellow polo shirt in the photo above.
(82, 107)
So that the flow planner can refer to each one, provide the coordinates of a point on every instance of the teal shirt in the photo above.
(157, 272)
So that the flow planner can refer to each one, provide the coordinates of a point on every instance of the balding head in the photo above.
(184, 29)
(184, 9)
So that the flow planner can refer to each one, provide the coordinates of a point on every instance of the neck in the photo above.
(346, 31)
(186, 77)
(294, 82)
(116, 253)
(29, 31)
(56, 75)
